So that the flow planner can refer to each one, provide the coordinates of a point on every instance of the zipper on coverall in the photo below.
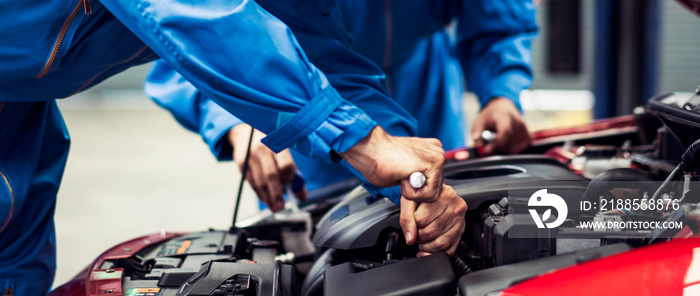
(57, 45)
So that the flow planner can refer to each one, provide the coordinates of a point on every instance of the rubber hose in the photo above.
(691, 157)
(607, 180)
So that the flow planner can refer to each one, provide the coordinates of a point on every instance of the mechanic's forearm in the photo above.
(258, 72)
(494, 47)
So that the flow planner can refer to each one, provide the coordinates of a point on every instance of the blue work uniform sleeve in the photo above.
(494, 47)
(201, 115)
(248, 62)
(342, 67)
(191, 109)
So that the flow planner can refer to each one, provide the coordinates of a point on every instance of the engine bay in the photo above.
(626, 183)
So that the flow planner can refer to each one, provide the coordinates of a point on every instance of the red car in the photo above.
(609, 208)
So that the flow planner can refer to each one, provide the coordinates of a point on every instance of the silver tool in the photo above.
(417, 180)
(488, 136)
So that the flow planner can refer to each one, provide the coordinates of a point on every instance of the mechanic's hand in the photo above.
(432, 215)
(385, 160)
(267, 171)
(501, 116)
(439, 224)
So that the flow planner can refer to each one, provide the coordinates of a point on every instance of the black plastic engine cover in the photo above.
(230, 278)
(430, 275)
(358, 220)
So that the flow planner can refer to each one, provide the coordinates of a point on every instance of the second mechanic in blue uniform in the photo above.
(426, 58)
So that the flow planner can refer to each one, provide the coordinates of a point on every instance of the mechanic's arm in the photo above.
(268, 172)
(197, 113)
(249, 63)
(226, 135)
(436, 223)
(494, 48)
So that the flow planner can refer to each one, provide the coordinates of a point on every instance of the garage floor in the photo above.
(133, 171)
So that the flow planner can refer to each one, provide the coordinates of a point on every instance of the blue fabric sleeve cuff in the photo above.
(330, 122)
(295, 127)
(392, 193)
(508, 85)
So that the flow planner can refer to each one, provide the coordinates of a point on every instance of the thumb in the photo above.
(407, 221)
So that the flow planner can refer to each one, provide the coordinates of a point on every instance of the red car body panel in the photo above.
(671, 268)
(95, 281)
(597, 128)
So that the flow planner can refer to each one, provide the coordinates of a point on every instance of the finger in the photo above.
(433, 230)
(239, 142)
(427, 194)
(271, 175)
(408, 225)
(302, 195)
(504, 135)
(454, 210)
(427, 213)
(446, 242)
(477, 127)
(488, 149)
(286, 166)
(251, 180)
(257, 181)
(454, 237)
(453, 249)
(434, 162)
(520, 145)
(524, 139)
(436, 180)
(238, 137)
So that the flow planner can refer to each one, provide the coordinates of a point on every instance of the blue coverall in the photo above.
(234, 52)
(408, 39)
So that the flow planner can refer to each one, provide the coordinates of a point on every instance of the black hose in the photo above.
(689, 161)
(610, 179)
(392, 242)
(459, 261)
(691, 158)
(460, 266)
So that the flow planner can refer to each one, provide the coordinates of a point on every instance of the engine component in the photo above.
(491, 281)
(358, 247)
(602, 183)
(203, 263)
(430, 275)
(240, 279)
(691, 158)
